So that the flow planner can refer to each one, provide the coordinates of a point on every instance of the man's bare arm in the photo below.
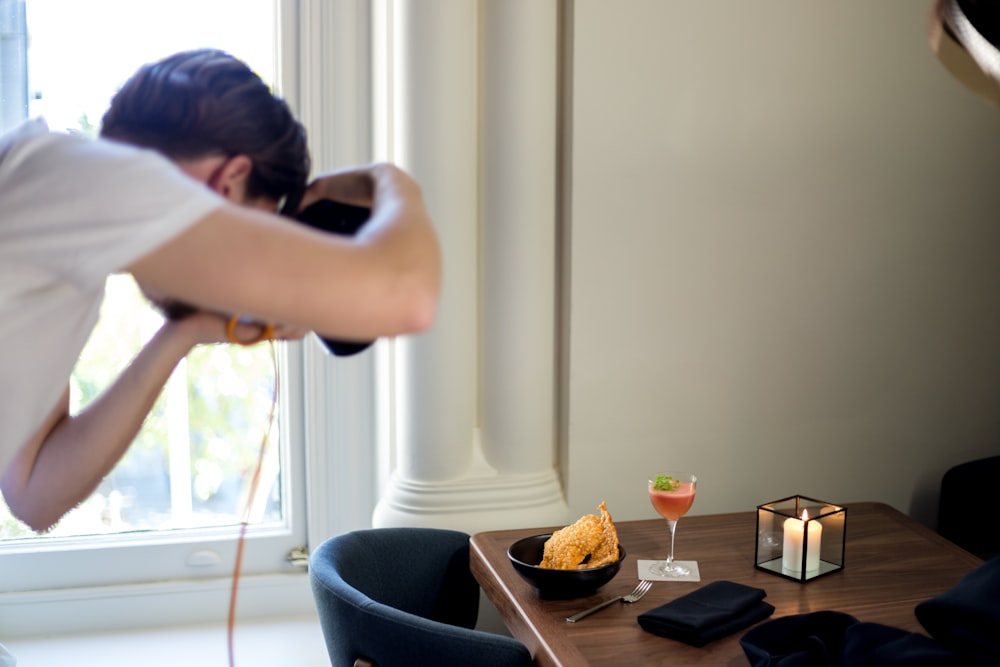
(383, 282)
(69, 455)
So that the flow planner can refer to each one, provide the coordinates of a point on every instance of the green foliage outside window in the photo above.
(228, 399)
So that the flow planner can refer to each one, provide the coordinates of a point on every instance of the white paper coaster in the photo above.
(692, 565)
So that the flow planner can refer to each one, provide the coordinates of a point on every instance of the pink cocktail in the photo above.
(672, 505)
(672, 494)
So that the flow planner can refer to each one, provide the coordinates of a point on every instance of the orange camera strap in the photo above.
(252, 492)
(266, 332)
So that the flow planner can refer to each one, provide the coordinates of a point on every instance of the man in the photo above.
(182, 192)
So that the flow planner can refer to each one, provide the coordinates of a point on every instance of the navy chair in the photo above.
(404, 596)
(967, 513)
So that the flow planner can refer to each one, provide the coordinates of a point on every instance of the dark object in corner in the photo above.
(344, 219)
(965, 507)
(961, 627)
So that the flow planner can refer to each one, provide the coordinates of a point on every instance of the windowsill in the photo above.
(259, 643)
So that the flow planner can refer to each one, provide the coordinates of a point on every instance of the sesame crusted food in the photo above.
(607, 551)
(590, 542)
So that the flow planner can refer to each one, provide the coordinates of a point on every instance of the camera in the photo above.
(344, 219)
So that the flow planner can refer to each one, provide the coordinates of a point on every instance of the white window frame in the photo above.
(325, 52)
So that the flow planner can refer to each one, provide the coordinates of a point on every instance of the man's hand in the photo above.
(351, 186)
(204, 328)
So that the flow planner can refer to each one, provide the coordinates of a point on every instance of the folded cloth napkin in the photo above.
(966, 617)
(801, 640)
(708, 613)
(835, 638)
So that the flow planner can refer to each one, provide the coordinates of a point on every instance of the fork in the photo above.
(634, 596)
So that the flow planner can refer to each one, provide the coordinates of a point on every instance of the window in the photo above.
(189, 465)
(185, 479)
(171, 508)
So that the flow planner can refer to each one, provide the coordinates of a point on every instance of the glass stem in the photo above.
(672, 523)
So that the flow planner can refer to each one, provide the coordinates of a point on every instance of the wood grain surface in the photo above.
(891, 564)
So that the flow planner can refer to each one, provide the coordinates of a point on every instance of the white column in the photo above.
(520, 89)
(473, 111)
(434, 120)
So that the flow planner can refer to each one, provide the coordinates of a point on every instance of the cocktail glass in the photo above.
(672, 494)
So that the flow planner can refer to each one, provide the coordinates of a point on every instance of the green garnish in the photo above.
(666, 483)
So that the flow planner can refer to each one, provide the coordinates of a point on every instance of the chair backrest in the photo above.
(966, 513)
(404, 596)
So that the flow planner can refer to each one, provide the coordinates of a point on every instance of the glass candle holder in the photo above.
(800, 538)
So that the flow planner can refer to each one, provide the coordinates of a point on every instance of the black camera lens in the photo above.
(344, 219)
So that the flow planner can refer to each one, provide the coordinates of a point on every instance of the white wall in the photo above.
(784, 255)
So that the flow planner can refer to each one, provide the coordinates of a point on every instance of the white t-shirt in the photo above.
(72, 211)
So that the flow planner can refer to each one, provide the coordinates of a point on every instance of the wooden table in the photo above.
(891, 564)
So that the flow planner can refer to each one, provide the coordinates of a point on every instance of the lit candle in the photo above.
(791, 556)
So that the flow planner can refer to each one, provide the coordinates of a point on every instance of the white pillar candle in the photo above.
(791, 556)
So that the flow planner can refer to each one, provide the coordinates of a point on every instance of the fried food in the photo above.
(570, 546)
(590, 542)
(607, 551)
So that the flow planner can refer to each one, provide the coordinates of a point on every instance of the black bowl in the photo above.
(526, 554)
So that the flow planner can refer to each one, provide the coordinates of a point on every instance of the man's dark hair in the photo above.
(206, 102)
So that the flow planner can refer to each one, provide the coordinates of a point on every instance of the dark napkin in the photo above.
(708, 613)
(824, 638)
(966, 617)
(801, 640)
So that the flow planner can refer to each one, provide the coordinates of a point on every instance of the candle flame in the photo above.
(805, 515)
